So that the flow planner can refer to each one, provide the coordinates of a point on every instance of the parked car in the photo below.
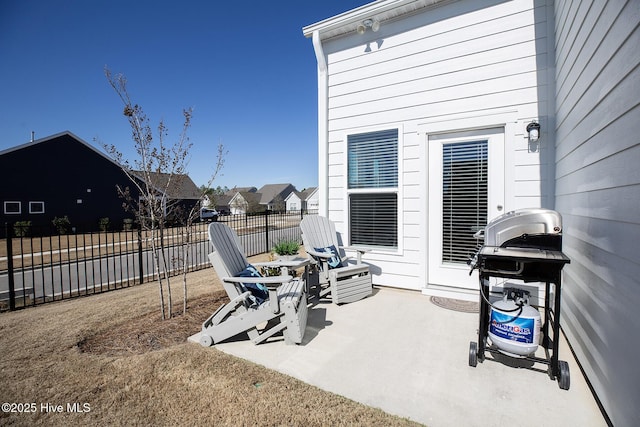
(208, 214)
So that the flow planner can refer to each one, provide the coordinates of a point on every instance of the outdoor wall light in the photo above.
(533, 129)
(368, 23)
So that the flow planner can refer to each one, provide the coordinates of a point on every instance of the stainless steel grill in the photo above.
(520, 244)
(530, 228)
(526, 245)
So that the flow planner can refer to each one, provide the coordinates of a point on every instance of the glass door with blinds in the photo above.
(466, 190)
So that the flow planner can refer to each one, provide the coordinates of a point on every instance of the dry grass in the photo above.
(112, 352)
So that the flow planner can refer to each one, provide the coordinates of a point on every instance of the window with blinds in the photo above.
(374, 219)
(464, 198)
(373, 159)
(373, 165)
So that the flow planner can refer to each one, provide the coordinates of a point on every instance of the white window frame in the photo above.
(382, 190)
(34, 211)
(9, 202)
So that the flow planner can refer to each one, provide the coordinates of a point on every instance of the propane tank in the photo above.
(514, 325)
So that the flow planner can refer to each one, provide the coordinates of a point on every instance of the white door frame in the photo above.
(507, 119)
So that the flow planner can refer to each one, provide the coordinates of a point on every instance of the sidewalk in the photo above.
(398, 351)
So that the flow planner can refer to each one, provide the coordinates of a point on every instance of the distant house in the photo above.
(293, 201)
(310, 199)
(182, 193)
(272, 196)
(222, 202)
(302, 200)
(62, 175)
(235, 190)
(269, 197)
(244, 202)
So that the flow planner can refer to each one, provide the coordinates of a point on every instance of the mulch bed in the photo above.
(150, 333)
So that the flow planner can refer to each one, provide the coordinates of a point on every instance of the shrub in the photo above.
(127, 224)
(103, 223)
(62, 224)
(286, 247)
(21, 228)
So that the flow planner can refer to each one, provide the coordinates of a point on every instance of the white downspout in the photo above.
(323, 143)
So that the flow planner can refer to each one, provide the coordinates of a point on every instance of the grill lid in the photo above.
(532, 227)
(522, 244)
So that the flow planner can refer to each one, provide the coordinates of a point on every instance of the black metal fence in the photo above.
(37, 267)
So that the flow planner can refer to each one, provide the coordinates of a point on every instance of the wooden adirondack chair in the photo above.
(284, 310)
(344, 282)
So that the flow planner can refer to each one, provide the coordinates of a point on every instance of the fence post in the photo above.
(266, 230)
(140, 256)
(12, 284)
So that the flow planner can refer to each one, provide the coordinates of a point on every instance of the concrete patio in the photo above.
(398, 351)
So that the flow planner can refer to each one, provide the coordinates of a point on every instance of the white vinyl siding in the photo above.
(482, 59)
(448, 62)
(598, 193)
(293, 203)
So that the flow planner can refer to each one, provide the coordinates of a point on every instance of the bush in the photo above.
(62, 224)
(21, 228)
(127, 224)
(103, 223)
(286, 247)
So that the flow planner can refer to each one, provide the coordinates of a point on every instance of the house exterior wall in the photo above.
(68, 176)
(449, 68)
(598, 194)
(293, 203)
(312, 201)
(238, 205)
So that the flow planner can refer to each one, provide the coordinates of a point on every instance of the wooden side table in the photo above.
(284, 264)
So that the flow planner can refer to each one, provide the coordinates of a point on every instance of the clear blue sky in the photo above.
(244, 67)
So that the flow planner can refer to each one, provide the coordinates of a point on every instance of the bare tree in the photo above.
(191, 218)
(158, 168)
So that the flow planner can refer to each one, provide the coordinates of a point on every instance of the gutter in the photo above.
(323, 135)
(383, 10)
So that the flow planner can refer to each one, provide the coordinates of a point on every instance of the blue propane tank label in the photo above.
(519, 329)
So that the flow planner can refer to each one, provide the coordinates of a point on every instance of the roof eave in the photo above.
(381, 10)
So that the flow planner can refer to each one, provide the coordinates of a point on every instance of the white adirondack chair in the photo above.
(285, 309)
(337, 278)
